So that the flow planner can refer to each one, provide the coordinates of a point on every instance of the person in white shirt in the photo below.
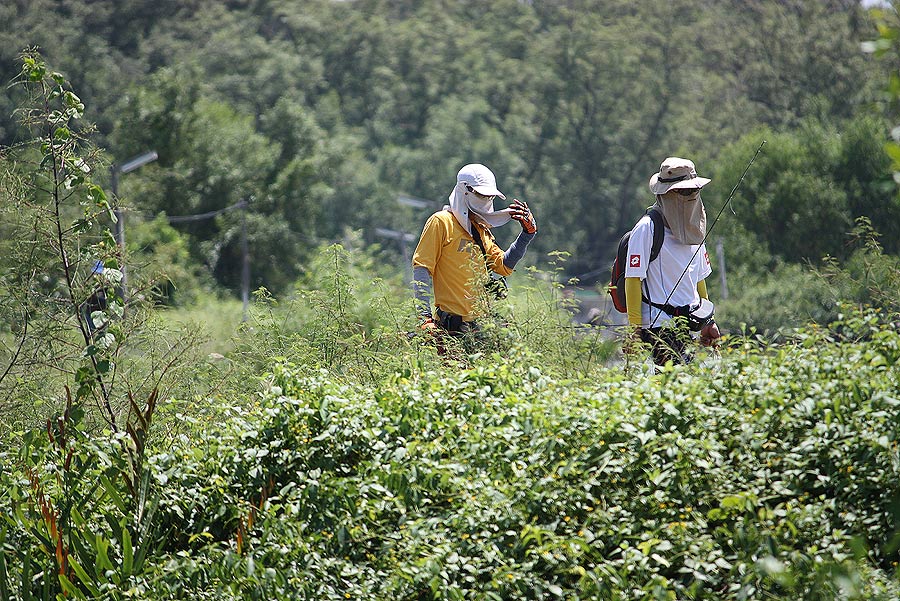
(667, 298)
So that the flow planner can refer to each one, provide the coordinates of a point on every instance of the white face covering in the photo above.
(466, 206)
(685, 216)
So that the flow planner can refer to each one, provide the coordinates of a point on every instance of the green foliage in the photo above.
(78, 516)
(58, 219)
(347, 314)
(799, 200)
(777, 479)
(354, 317)
(886, 47)
(322, 113)
(158, 248)
(541, 319)
(869, 278)
(368, 465)
(790, 296)
(502, 480)
(62, 282)
(77, 509)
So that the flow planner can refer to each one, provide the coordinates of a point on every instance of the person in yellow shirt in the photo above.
(456, 252)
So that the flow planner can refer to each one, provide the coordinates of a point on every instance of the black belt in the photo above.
(686, 311)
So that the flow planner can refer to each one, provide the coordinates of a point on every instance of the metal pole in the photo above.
(720, 252)
(119, 229)
(403, 238)
(129, 165)
(406, 261)
(245, 267)
(418, 204)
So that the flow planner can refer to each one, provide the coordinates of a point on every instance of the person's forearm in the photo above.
(701, 289)
(422, 291)
(633, 300)
(517, 249)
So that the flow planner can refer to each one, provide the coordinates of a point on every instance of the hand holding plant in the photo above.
(710, 334)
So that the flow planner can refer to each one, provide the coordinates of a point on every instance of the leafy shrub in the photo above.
(352, 315)
(77, 519)
(777, 478)
(63, 277)
(869, 277)
(791, 295)
(788, 297)
(159, 249)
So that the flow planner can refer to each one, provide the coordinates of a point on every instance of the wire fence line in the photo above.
(207, 215)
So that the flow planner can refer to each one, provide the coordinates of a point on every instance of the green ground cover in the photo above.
(768, 473)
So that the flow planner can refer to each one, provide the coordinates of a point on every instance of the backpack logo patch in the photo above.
(624, 260)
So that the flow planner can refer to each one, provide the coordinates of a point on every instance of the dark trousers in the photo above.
(668, 344)
(454, 326)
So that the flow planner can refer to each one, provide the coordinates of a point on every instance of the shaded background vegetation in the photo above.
(320, 113)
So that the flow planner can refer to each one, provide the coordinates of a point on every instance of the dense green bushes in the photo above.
(768, 473)
(788, 294)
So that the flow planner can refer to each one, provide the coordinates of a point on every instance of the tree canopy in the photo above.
(320, 113)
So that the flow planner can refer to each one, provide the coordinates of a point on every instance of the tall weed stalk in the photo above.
(77, 503)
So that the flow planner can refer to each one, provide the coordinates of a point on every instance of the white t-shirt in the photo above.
(660, 275)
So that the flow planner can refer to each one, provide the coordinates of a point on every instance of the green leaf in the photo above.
(73, 103)
(96, 195)
(127, 553)
(35, 71)
(114, 495)
(103, 562)
(26, 570)
(893, 151)
(4, 575)
(69, 587)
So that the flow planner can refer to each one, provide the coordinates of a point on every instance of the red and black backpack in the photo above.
(616, 287)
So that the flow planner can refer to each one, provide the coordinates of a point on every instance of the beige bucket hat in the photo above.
(676, 174)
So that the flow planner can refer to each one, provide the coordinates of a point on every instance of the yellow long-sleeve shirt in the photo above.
(455, 262)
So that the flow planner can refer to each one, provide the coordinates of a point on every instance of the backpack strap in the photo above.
(476, 236)
(671, 310)
(659, 233)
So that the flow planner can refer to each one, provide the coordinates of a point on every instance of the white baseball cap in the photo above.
(480, 178)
